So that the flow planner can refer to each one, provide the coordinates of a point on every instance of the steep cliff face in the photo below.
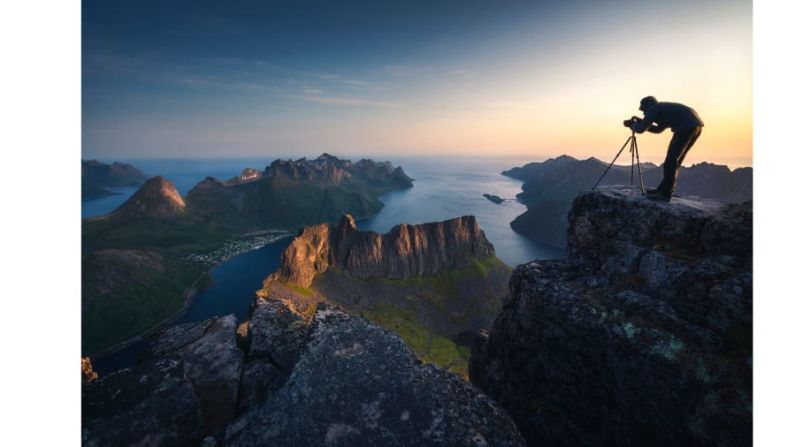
(642, 337)
(406, 251)
(435, 284)
(332, 379)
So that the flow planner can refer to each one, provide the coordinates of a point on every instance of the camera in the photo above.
(631, 121)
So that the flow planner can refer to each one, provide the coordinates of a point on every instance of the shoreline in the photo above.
(188, 295)
(191, 291)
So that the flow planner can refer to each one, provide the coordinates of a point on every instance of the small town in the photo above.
(235, 247)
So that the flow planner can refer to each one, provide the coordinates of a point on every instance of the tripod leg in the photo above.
(632, 164)
(640, 171)
(611, 163)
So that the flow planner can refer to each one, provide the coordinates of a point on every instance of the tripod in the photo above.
(633, 152)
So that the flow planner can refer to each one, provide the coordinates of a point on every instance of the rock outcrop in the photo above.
(87, 372)
(357, 384)
(213, 364)
(249, 174)
(550, 186)
(642, 337)
(406, 251)
(157, 198)
(328, 379)
(152, 404)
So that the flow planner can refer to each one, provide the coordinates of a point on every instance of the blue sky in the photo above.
(215, 79)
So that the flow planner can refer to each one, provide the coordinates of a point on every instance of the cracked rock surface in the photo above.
(641, 337)
(358, 384)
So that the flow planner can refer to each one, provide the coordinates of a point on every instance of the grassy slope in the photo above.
(412, 300)
(146, 300)
(429, 346)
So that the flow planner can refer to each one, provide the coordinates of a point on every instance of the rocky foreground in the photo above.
(281, 379)
(642, 337)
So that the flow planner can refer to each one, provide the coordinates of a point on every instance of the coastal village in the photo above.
(230, 249)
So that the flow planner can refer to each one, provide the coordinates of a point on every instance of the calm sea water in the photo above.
(443, 189)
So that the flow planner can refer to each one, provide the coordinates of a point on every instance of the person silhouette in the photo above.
(686, 125)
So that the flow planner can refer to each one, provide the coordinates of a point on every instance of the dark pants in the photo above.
(677, 149)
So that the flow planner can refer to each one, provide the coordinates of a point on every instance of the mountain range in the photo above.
(158, 222)
(642, 336)
(551, 185)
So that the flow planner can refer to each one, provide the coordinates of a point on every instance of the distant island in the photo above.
(98, 178)
(493, 198)
(550, 186)
(143, 261)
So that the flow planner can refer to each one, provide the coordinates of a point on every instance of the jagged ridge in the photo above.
(406, 251)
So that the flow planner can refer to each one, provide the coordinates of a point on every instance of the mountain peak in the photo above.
(157, 197)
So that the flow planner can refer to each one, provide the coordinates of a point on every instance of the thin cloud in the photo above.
(507, 104)
(354, 82)
(405, 70)
(464, 73)
(205, 82)
(342, 101)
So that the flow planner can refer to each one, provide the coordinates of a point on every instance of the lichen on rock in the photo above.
(635, 338)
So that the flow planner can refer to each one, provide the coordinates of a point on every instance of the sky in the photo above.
(521, 79)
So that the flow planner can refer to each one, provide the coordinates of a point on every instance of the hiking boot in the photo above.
(659, 197)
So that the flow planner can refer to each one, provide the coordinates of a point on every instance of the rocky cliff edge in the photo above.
(642, 337)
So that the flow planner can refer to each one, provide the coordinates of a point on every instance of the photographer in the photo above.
(686, 126)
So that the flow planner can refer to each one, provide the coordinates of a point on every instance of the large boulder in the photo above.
(274, 339)
(358, 384)
(187, 389)
(213, 364)
(642, 337)
(153, 404)
(276, 332)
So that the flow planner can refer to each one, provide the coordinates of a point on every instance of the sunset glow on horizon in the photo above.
(526, 80)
